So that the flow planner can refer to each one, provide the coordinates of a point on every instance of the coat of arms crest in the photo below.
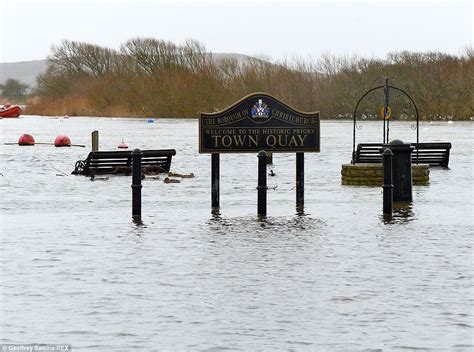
(260, 110)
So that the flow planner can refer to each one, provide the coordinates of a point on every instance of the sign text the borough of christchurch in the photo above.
(259, 122)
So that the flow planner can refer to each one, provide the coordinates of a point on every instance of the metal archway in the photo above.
(386, 122)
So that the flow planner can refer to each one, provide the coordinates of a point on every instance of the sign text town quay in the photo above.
(258, 122)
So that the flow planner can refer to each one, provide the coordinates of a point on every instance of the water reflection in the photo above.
(216, 212)
(295, 225)
(402, 213)
(137, 220)
(300, 211)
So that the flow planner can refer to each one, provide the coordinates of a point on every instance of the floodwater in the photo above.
(76, 270)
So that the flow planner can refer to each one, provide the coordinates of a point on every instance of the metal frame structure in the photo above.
(386, 122)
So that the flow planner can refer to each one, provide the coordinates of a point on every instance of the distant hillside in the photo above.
(23, 71)
(27, 71)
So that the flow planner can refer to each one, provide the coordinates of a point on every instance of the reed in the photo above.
(154, 78)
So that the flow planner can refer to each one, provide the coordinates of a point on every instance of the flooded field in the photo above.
(76, 270)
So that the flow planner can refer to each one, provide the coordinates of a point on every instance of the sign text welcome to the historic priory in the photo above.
(259, 122)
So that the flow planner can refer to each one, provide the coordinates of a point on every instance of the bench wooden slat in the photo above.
(435, 154)
(118, 161)
(111, 162)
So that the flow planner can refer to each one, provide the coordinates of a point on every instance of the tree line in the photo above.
(149, 77)
(14, 90)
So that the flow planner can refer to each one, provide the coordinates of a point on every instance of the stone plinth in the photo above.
(372, 174)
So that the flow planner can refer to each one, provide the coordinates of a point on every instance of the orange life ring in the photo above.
(388, 115)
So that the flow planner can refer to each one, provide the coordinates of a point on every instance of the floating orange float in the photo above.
(26, 139)
(122, 145)
(62, 141)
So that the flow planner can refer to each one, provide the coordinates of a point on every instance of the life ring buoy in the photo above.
(388, 114)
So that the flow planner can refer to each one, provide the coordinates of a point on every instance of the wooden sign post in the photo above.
(259, 122)
(95, 141)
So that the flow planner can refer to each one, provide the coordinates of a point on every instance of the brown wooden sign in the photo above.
(259, 122)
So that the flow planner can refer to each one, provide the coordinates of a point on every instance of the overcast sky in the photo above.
(258, 27)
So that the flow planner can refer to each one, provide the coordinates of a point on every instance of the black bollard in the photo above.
(299, 182)
(137, 185)
(215, 161)
(387, 183)
(401, 170)
(262, 184)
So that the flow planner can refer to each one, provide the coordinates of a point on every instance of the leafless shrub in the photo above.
(151, 77)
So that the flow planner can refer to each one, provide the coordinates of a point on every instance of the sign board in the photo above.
(259, 122)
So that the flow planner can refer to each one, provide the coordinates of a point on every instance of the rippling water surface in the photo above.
(76, 270)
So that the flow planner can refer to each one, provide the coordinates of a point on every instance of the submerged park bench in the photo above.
(434, 154)
(120, 162)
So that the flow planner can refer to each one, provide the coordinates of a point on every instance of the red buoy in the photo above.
(26, 139)
(62, 141)
(122, 145)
